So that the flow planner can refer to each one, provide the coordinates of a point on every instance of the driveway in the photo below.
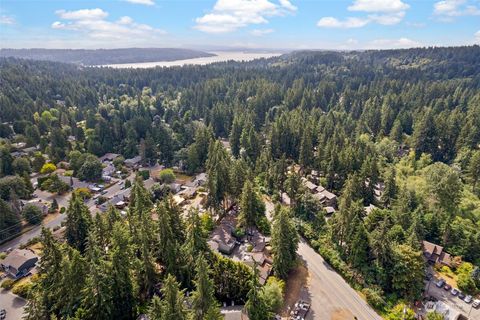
(452, 301)
(331, 297)
(12, 304)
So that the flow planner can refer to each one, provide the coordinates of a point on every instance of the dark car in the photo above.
(3, 314)
(461, 295)
(447, 287)
(429, 276)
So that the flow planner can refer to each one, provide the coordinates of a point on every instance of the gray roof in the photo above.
(18, 257)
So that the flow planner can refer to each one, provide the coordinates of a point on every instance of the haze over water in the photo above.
(220, 57)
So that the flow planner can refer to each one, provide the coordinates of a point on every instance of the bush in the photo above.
(7, 284)
(32, 214)
(62, 210)
(263, 226)
(207, 222)
(48, 168)
(23, 289)
(166, 176)
(145, 174)
(272, 294)
(3, 255)
(374, 298)
(83, 193)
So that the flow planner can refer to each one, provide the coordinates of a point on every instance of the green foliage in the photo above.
(284, 243)
(91, 169)
(401, 312)
(48, 168)
(272, 294)
(22, 289)
(7, 284)
(166, 176)
(374, 298)
(252, 208)
(145, 174)
(465, 280)
(32, 214)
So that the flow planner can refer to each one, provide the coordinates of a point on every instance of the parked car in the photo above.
(461, 295)
(454, 292)
(3, 314)
(429, 276)
(440, 283)
(476, 303)
(447, 287)
(468, 299)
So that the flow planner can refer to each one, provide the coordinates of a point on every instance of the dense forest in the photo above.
(104, 56)
(405, 119)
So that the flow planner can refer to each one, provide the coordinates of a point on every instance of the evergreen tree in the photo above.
(204, 305)
(284, 243)
(218, 165)
(256, 307)
(122, 285)
(306, 149)
(78, 223)
(251, 206)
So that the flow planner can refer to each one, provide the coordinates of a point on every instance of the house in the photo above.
(200, 179)
(221, 239)
(309, 185)
(19, 263)
(326, 198)
(19, 145)
(118, 201)
(36, 203)
(133, 162)
(435, 254)
(108, 157)
(73, 182)
(108, 171)
(189, 192)
(233, 313)
(329, 210)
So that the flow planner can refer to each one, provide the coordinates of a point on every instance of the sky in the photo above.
(255, 24)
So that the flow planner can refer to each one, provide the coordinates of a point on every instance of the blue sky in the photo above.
(270, 24)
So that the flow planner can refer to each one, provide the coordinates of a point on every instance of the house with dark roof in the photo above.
(19, 263)
(133, 162)
(434, 253)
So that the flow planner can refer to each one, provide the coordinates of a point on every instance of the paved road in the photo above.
(12, 304)
(331, 297)
(35, 232)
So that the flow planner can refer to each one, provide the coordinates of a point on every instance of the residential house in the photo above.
(309, 185)
(326, 198)
(221, 239)
(329, 210)
(133, 162)
(108, 157)
(73, 182)
(36, 203)
(435, 254)
(19, 263)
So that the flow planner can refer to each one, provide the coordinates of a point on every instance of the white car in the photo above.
(476, 303)
(468, 299)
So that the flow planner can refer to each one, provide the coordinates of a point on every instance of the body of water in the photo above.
(220, 56)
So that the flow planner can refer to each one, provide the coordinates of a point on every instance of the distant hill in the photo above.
(105, 56)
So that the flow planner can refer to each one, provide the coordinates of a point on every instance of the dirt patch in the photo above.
(49, 217)
(342, 314)
(297, 280)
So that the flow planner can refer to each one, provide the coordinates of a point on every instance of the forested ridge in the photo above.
(104, 56)
(408, 120)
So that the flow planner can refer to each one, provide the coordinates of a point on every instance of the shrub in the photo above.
(62, 210)
(166, 176)
(32, 214)
(145, 174)
(3, 255)
(7, 284)
(48, 168)
(22, 289)
(207, 222)
(374, 298)
(83, 193)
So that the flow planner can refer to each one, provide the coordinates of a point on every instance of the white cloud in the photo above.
(144, 2)
(477, 37)
(91, 26)
(378, 6)
(446, 10)
(392, 44)
(331, 22)
(83, 14)
(384, 12)
(8, 20)
(231, 15)
(260, 32)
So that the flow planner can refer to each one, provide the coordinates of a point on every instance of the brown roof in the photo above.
(436, 254)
